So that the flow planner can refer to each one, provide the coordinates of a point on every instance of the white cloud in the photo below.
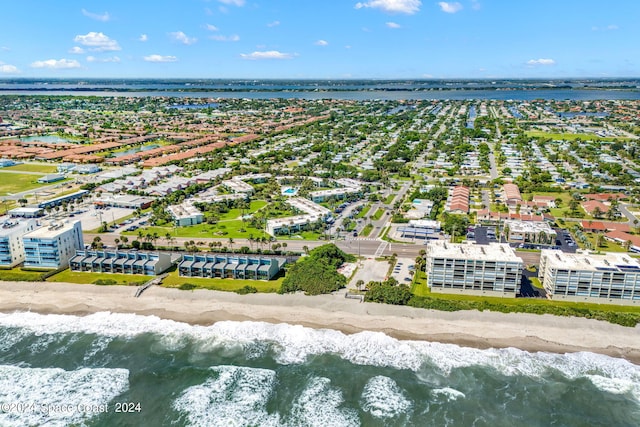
(56, 64)
(211, 27)
(393, 25)
(221, 38)
(450, 7)
(181, 37)
(607, 28)
(8, 69)
(238, 3)
(98, 42)
(321, 43)
(4, 48)
(76, 50)
(160, 58)
(269, 54)
(475, 5)
(143, 38)
(103, 17)
(273, 24)
(393, 6)
(541, 61)
(110, 59)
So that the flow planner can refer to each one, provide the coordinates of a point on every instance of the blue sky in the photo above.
(320, 39)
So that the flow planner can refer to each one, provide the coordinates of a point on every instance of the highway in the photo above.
(366, 247)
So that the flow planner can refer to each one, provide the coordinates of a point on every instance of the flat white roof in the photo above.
(490, 252)
(609, 261)
(516, 226)
(51, 231)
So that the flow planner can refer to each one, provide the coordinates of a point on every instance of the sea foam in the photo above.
(319, 406)
(294, 344)
(54, 397)
(382, 398)
(236, 396)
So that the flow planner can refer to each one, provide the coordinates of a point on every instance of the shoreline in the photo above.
(529, 332)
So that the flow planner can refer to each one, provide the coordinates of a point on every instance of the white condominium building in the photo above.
(489, 270)
(11, 244)
(611, 278)
(52, 246)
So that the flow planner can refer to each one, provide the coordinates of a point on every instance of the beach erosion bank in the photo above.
(482, 330)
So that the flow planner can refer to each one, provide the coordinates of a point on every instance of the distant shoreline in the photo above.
(203, 307)
(252, 89)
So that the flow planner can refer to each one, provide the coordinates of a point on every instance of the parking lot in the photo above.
(403, 271)
(484, 235)
(92, 218)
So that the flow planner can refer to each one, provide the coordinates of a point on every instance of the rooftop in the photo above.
(490, 252)
(52, 230)
(609, 261)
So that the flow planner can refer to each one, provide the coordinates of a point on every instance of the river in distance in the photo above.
(356, 90)
(458, 95)
(108, 369)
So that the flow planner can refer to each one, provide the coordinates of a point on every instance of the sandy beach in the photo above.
(468, 328)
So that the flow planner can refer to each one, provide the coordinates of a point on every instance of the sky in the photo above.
(324, 39)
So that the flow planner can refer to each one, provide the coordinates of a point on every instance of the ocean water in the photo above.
(111, 369)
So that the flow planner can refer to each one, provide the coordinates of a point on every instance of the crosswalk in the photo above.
(381, 249)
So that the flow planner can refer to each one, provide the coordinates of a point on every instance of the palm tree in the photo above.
(231, 243)
(597, 212)
(305, 249)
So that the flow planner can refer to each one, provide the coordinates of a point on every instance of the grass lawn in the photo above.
(364, 211)
(12, 183)
(301, 235)
(420, 288)
(89, 277)
(236, 213)
(606, 246)
(173, 280)
(535, 282)
(225, 229)
(19, 275)
(378, 214)
(366, 230)
(42, 168)
(573, 136)
(389, 198)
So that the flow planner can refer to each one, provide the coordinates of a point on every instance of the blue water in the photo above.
(196, 106)
(572, 114)
(471, 117)
(45, 138)
(136, 150)
(520, 95)
(260, 374)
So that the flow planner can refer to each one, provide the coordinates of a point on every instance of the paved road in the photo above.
(492, 162)
(364, 246)
(624, 211)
